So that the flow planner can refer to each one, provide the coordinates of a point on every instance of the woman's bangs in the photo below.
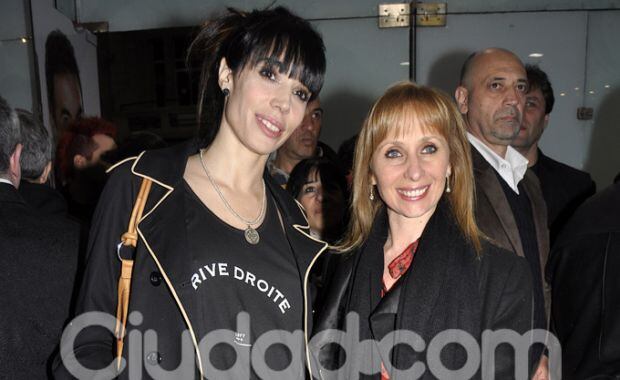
(297, 56)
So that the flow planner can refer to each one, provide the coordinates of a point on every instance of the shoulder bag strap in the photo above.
(129, 238)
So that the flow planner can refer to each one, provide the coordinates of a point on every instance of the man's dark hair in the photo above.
(37, 151)
(78, 139)
(538, 80)
(59, 59)
(9, 134)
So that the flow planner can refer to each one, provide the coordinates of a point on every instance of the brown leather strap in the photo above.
(129, 238)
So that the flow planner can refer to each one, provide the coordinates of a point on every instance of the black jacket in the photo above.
(447, 287)
(43, 198)
(584, 272)
(38, 259)
(160, 288)
(564, 189)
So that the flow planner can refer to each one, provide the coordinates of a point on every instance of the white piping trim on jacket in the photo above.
(122, 162)
(159, 266)
(177, 300)
(174, 294)
(303, 212)
(306, 275)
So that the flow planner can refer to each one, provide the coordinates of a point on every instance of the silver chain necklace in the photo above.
(251, 235)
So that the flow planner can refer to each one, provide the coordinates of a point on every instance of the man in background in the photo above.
(38, 257)
(82, 171)
(36, 166)
(509, 205)
(300, 145)
(564, 188)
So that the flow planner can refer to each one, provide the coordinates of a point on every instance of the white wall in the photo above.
(125, 15)
(15, 59)
(560, 36)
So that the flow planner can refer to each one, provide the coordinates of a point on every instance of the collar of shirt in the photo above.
(4, 180)
(512, 168)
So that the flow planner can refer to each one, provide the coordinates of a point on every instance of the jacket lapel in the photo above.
(165, 208)
(539, 211)
(425, 278)
(488, 185)
(531, 184)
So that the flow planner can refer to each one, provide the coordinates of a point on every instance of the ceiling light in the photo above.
(591, 92)
(24, 40)
(562, 94)
(607, 86)
(576, 88)
(404, 63)
(536, 55)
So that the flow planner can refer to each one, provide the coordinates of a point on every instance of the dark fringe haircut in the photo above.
(245, 39)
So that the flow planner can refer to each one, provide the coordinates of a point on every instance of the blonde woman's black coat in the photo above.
(448, 286)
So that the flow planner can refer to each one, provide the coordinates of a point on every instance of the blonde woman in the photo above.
(414, 258)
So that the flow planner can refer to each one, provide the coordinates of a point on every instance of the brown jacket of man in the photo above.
(495, 218)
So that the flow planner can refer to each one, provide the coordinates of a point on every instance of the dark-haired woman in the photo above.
(321, 188)
(223, 253)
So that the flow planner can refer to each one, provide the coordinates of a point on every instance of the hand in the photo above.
(542, 372)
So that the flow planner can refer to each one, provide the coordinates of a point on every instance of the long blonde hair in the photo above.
(392, 114)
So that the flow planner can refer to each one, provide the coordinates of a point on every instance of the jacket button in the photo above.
(155, 278)
(153, 358)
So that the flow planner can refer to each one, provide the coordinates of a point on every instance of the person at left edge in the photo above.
(218, 236)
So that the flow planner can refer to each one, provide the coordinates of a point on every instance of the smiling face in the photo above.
(493, 97)
(264, 106)
(534, 121)
(409, 171)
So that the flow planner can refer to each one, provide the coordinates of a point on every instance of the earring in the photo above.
(225, 91)
(448, 184)
(372, 193)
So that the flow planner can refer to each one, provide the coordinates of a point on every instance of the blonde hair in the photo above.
(394, 113)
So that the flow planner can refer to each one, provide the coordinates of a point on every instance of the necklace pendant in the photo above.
(251, 235)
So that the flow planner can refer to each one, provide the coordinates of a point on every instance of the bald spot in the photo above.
(476, 63)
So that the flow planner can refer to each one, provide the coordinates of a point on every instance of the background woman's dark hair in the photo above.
(244, 39)
(335, 193)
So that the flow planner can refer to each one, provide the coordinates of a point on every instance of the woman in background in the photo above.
(319, 185)
(414, 258)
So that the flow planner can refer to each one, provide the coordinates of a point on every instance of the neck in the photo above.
(402, 232)
(284, 162)
(500, 150)
(235, 168)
